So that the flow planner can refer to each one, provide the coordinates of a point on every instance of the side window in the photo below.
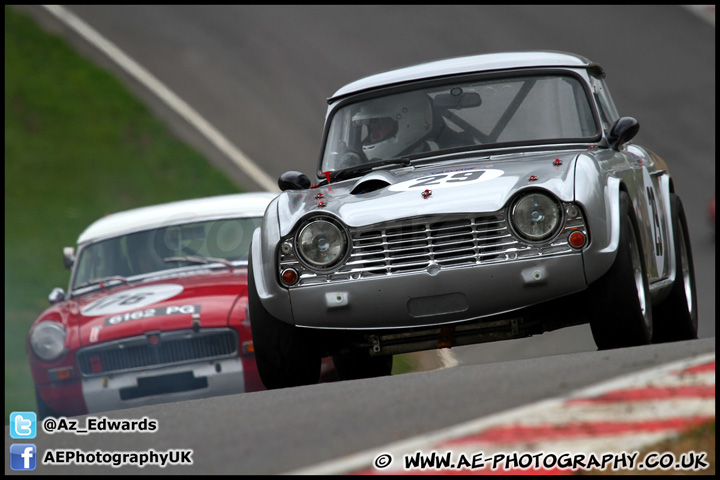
(608, 112)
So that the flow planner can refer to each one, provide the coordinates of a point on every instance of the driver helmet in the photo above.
(394, 124)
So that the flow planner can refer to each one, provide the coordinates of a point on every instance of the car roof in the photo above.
(460, 65)
(173, 213)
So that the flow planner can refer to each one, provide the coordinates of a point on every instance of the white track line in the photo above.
(706, 12)
(447, 358)
(166, 95)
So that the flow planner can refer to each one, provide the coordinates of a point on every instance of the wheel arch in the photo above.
(598, 193)
(266, 238)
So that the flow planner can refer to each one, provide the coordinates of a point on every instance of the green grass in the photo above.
(78, 145)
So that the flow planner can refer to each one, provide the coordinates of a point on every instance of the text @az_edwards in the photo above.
(99, 424)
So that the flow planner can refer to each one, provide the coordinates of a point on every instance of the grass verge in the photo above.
(78, 145)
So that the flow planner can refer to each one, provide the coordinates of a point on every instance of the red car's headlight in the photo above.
(47, 340)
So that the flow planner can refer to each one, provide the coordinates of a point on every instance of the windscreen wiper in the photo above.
(199, 259)
(360, 169)
(102, 282)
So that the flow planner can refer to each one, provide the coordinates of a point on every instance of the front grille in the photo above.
(433, 242)
(412, 247)
(156, 350)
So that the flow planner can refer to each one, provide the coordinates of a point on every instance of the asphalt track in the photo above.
(259, 74)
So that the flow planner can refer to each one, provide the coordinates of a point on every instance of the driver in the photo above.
(394, 125)
(380, 129)
(142, 256)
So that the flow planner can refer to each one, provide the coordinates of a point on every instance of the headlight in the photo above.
(321, 244)
(47, 340)
(536, 216)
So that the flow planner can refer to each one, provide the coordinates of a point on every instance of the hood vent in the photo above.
(368, 186)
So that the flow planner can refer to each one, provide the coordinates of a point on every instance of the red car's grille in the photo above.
(156, 350)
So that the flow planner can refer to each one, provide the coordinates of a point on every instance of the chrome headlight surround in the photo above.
(47, 340)
(536, 216)
(321, 243)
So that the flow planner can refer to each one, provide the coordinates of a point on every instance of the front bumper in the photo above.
(163, 385)
(436, 297)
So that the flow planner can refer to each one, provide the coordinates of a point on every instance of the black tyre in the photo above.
(359, 364)
(286, 355)
(621, 313)
(676, 317)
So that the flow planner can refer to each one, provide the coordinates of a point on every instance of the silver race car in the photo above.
(464, 201)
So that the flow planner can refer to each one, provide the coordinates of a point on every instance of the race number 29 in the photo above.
(447, 179)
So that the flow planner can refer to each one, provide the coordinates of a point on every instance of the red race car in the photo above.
(155, 312)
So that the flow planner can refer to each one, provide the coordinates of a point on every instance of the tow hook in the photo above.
(375, 343)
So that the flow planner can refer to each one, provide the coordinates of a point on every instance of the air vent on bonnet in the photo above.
(369, 186)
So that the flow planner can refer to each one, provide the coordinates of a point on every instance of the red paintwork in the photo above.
(215, 292)
(711, 211)
(67, 398)
(222, 295)
(252, 377)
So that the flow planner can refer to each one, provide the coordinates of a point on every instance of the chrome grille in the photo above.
(155, 350)
(433, 242)
(412, 247)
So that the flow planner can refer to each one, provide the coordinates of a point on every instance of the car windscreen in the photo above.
(486, 113)
(145, 252)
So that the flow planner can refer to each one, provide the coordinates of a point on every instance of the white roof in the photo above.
(470, 64)
(174, 213)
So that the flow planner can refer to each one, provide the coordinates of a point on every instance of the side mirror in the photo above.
(622, 131)
(293, 181)
(68, 257)
(56, 296)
